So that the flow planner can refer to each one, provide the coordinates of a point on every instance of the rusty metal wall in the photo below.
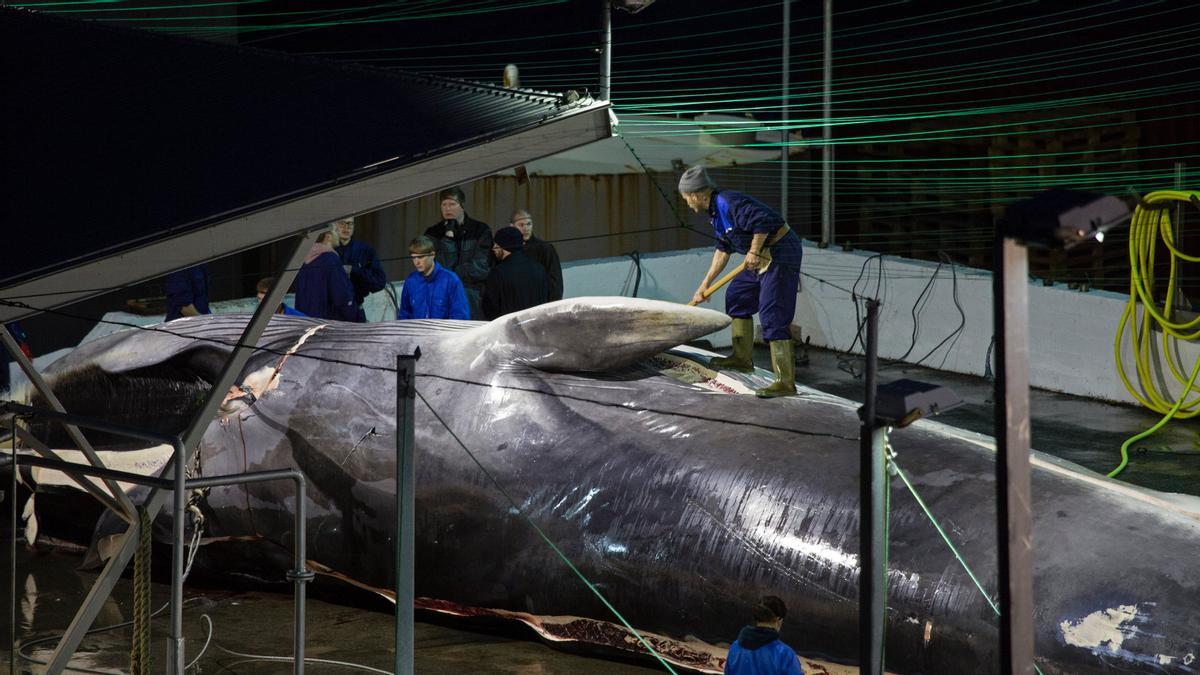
(586, 216)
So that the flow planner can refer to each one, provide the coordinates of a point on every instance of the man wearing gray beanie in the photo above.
(766, 286)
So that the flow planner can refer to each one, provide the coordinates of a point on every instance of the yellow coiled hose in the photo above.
(1151, 223)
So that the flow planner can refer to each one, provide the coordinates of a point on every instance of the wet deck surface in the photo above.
(49, 589)
(1087, 432)
(244, 627)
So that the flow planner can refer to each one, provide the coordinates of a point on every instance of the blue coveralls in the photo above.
(187, 287)
(323, 291)
(736, 218)
(440, 296)
(366, 272)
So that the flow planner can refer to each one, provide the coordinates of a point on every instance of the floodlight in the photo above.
(1061, 218)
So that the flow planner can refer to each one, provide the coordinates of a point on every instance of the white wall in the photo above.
(1071, 332)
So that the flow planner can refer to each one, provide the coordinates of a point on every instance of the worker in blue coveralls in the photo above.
(431, 291)
(360, 262)
(758, 649)
(187, 292)
(768, 284)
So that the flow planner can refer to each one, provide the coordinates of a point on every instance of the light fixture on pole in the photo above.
(1058, 219)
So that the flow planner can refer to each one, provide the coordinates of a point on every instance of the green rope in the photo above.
(139, 652)
(953, 549)
(513, 504)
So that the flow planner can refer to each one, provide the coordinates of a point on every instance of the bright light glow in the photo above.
(825, 552)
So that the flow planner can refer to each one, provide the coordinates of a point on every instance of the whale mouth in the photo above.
(161, 399)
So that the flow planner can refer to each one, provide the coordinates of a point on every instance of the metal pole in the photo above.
(827, 231)
(784, 150)
(12, 553)
(300, 576)
(176, 651)
(872, 587)
(124, 507)
(35, 444)
(606, 50)
(107, 579)
(405, 504)
(1014, 516)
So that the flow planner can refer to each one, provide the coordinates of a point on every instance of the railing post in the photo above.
(405, 504)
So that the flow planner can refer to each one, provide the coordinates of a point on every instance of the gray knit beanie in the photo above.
(695, 179)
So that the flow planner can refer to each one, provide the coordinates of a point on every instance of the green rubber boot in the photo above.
(783, 362)
(742, 357)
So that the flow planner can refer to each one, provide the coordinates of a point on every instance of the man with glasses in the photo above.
(360, 262)
(432, 291)
(540, 251)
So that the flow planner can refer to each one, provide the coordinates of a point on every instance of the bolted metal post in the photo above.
(1013, 500)
(405, 504)
(872, 542)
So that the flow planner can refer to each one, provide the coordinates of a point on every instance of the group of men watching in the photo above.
(463, 271)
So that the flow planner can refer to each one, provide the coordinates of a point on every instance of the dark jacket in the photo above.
(440, 296)
(544, 254)
(736, 218)
(759, 651)
(18, 334)
(366, 272)
(187, 287)
(515, 283)
(467, 254)
(323, 291)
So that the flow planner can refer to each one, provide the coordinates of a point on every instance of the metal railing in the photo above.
(179, 484)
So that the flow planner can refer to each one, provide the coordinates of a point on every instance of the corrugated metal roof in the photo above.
(153, 152)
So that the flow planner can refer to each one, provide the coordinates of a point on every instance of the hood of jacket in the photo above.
(753, 637)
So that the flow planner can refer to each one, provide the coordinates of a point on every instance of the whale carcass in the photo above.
(680, 498)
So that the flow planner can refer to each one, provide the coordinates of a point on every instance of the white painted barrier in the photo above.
(1071, 332)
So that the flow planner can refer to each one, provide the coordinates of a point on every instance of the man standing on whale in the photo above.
(767, 286)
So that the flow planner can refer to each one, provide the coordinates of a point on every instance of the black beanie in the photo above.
(510, 239)
(454, 193)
